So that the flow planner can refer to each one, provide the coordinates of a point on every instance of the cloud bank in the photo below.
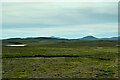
(62, 19)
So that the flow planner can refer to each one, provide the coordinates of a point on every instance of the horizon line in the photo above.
(56, 37)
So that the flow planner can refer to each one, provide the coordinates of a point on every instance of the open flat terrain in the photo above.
(61, 59)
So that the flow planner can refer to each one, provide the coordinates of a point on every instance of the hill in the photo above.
(89, 38)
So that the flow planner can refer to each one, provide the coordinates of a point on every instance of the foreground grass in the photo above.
(94, 61)
(59, 67)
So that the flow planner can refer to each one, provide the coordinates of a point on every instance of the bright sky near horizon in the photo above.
(60, 19)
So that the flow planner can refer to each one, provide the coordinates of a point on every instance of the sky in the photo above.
(60, 19)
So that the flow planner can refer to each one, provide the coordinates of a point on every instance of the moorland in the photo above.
(45, 57)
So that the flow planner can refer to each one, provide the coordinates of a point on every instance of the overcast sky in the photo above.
(60, 19)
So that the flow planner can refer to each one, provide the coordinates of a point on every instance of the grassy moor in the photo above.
(60, 58)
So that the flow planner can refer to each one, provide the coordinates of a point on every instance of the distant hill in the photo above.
(89, 38)
(50, 40)
(55, 37)
(42, 40)
(113, 38)
(94, 38)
